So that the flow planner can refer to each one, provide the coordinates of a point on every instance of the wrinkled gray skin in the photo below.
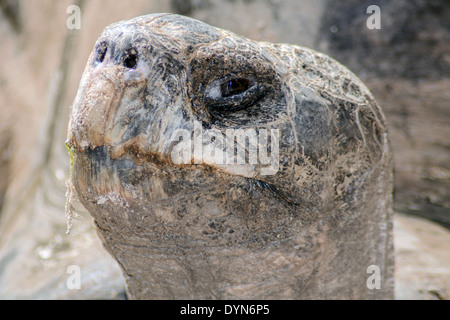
(206, 231)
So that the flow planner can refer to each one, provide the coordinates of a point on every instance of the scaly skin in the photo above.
(308, 229)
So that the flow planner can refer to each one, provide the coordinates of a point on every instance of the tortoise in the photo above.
(217, 167)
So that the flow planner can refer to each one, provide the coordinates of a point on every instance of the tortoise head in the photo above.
(186, 133)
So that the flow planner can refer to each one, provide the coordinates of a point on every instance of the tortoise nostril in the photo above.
(130, 60)
(101, 52)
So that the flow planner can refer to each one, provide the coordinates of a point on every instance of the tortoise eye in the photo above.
(234, 86)
(233, 94)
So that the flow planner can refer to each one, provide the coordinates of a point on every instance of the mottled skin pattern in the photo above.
(204, 231)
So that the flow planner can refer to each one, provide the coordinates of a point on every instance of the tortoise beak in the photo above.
(93, 112)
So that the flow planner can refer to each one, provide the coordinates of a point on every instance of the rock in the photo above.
(422, 269)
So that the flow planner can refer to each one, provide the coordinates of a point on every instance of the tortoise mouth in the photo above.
(145, 178)
(132, 166)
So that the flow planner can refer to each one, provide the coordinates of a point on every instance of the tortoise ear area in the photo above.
(314, 127)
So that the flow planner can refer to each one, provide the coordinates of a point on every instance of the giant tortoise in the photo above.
(217, 167)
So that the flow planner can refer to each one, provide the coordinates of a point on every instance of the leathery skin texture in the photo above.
(301, 211)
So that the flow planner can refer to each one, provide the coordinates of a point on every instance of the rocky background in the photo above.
(406, 64)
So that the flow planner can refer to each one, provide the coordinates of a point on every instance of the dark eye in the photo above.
(232, 94)
(234, 86)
